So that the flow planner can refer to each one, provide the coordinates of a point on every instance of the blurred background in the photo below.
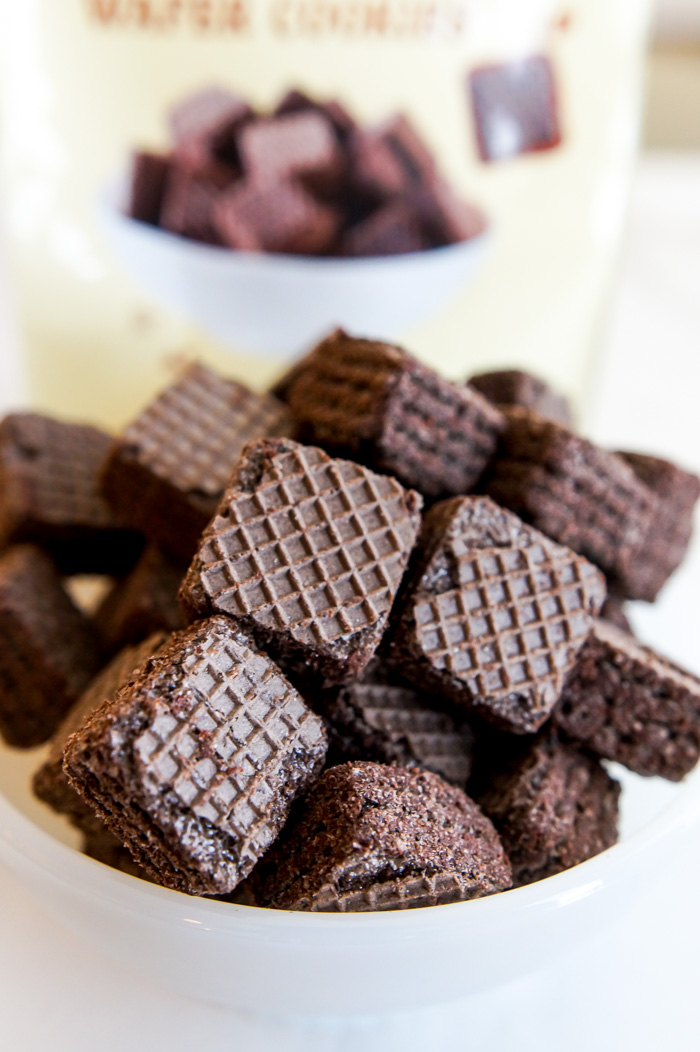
(672, 118)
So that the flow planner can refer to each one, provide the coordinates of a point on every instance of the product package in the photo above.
(232, 179)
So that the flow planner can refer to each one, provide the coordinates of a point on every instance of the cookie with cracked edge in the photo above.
(509, 387)
(50, 496)
(378, 718)
(167, 472)
(495, 614)
(142, 603)
(671, 528)
(306, 553)
(375, 403)
(627, 703)
(195, 763)
(372, 837)
(553, 806)
(50, 783)
(49, 651)
(577, 493)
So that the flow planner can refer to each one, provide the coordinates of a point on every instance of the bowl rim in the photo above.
(24, 844)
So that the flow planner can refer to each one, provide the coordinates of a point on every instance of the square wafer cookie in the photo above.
(553, 806)
(205, 125)
(514, 387)
(671, 528)
(141, 603)
(371, 837)
(300, 144)
(495, 615)
(577, 493)
(195, 763)
(48, 649)
(375, 403)
(378, 718)
(49, 495)
(167, 472)
(625, 702)
(307, 554)
(50, 782)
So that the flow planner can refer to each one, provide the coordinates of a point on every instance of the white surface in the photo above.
(279, 304)
(632, 987)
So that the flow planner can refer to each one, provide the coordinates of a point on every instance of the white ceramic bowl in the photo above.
(279, 962)
(281, 304)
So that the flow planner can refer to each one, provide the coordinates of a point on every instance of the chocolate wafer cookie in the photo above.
(370, 837)
(167, 472)
(553, 807)
(259, 216)
(613, 610)
(50, 783)
(205, 125)
(49, 495)
(306, 553)
(301, 144)
(625, 702)
(509, 387)
(577, 493)
(48, 649)
(377, 718)
(195, 763)
(190, 196)
(669, 535)
(143, 602)
(146, 183)
(375, 403)
(389, 230)
(495, 615)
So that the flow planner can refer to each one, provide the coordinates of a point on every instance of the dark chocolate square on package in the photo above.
(515, 108)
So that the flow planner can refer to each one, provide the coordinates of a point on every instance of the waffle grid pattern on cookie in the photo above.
(397, 714)
(192, 433)
(515, 621)
(222, 758)
(59, 465)
(598, 514)
(410, 892)
(318, 549)
(352, 392)
(433, 420)
(341, 390)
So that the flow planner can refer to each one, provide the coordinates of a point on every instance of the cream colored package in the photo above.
(530, 108)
